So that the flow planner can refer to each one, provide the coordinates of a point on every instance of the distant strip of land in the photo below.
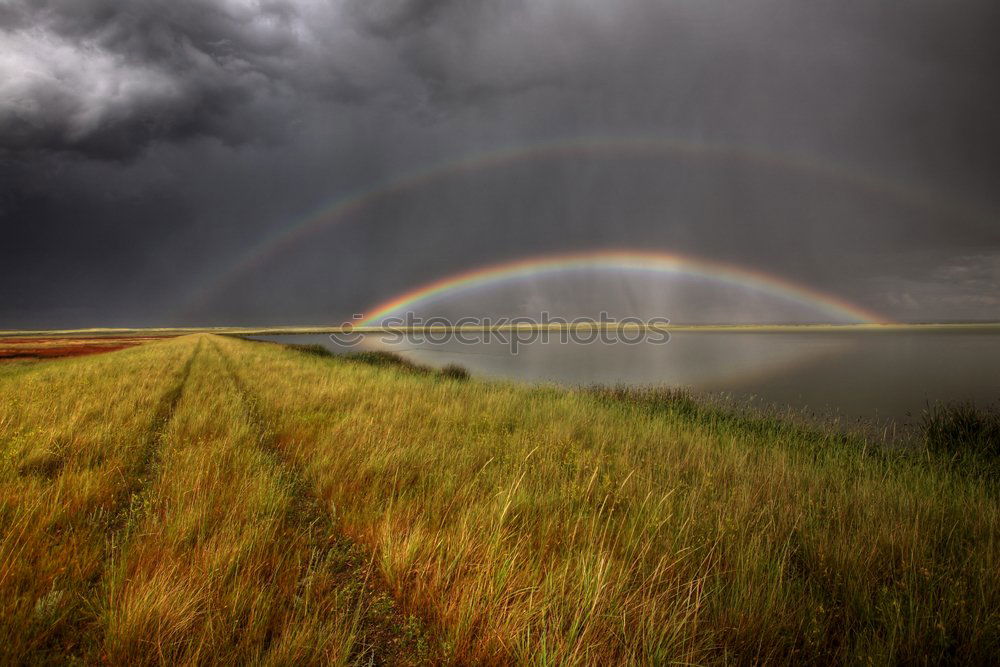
(500, 328)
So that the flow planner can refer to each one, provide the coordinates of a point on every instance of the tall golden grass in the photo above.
(146, 519)
(211, 500)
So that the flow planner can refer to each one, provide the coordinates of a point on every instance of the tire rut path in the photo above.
(387, 636)
(129, 505)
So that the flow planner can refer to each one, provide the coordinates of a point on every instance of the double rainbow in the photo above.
(623, 261)
(341, 209)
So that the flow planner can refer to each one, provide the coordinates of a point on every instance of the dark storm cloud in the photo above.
(146, 146)
(392, 18)
(107, 77)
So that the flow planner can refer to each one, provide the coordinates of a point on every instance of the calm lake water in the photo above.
(871, 375)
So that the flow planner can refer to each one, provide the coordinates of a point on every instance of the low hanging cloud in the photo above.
(960, 287)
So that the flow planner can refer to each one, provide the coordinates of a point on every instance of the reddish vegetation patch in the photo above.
(34, 340)
(27, 352)
(51, 348)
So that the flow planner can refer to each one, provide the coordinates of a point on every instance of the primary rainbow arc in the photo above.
(624, 261)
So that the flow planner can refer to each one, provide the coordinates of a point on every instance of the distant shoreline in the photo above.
(582, 326)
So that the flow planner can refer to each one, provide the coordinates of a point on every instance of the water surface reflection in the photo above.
(854, 374)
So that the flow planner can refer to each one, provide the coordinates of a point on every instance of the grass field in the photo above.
(208, 499)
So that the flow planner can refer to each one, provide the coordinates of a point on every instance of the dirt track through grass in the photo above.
(381, 632)
(210, 500)
(167, 529)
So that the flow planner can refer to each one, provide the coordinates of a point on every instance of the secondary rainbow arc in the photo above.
(342, 208)
(623, 261)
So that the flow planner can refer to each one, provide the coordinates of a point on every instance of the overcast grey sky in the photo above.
(148, 147)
